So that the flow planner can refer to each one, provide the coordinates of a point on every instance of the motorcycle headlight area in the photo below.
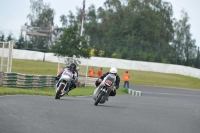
(108, 82)
(68, 74)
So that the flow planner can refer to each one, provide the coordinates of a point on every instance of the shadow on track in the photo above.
(110, 106)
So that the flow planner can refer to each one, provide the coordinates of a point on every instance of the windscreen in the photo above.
(110, 79)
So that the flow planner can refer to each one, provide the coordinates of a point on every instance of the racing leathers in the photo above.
(75, 77)
(117, 81)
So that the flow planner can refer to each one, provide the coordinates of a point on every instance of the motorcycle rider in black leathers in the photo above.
(72, 68)
(113, 70)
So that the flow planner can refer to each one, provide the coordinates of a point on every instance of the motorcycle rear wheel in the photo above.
(59, 91)
(99, 97)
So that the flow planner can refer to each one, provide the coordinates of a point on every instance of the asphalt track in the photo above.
(158, 110)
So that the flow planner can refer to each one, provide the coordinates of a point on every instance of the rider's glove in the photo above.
(99, 80)
(114, 88)
(57, 78)
(117, 86)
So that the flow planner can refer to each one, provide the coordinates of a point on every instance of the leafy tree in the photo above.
(63, 20)
(57, 31)
(9, 38)
(183, 42)
(71, 18)
(71, 43)
(149, 24)
(2, 36)
(20, 44)
(41, 17)
(131, 29)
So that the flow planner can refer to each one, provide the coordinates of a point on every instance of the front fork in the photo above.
(60, 82)
(97, 90)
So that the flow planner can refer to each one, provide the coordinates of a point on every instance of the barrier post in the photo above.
(1, 78)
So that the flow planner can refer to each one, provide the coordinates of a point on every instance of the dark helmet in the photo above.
(72, 67)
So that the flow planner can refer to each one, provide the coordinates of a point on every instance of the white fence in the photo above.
(110, 62)
(6, 49)
(87, 81)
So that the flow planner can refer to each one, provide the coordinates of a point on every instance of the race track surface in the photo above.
(158, 110)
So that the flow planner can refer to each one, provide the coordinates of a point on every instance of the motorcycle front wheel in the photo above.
(59, 91)
(99, 97)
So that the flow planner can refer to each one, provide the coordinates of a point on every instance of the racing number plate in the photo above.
(108, 82)
(66, 73)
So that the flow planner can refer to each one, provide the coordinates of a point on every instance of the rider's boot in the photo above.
(72, 87)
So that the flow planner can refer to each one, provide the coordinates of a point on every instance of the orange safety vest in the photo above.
(91, 73)
(126, 77)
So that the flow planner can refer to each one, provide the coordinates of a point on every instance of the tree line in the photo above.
(143, 30)
(4, 38)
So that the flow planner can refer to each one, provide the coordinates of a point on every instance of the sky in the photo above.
(13, 13)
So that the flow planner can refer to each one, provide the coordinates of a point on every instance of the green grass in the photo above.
(158, 79)
(34, 67)
(82, 91)
(137, 77)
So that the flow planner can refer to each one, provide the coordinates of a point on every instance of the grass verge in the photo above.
(82, 91)
(137, 77)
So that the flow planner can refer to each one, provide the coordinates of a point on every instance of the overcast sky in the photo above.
(13, 13)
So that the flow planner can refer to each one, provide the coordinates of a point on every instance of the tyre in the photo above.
(59, 91)
(99, 97)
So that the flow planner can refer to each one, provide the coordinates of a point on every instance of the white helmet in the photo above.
(113, 70)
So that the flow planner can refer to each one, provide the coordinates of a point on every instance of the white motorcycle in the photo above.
(102, 92)
(63, 85)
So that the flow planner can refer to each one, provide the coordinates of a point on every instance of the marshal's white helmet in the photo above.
(113, 70)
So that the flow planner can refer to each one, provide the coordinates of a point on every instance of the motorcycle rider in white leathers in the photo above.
(113, 71)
